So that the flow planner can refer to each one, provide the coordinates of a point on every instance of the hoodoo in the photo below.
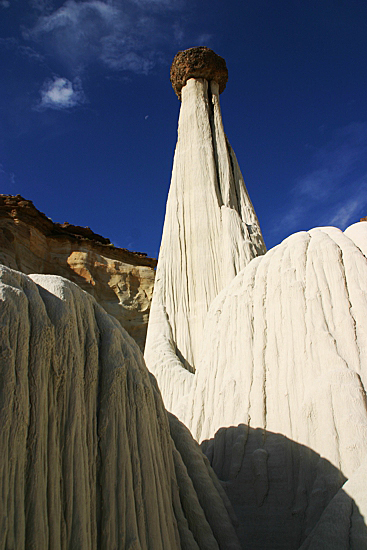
(210, 232)
(262, 356)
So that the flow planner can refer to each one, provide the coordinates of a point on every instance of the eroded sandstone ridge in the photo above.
(263, 356)
(210, 233)
(89, 459)
(284, 363)
(121, 281)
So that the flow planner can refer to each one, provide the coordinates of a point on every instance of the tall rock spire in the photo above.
(210, 232)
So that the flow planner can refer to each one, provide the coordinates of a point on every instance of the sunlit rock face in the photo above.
(279, 396)
(121, 281)
(210, 233)
(289, 329)
(89, 459)
(263, 356)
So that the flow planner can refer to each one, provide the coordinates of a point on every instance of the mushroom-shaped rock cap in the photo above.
(200, 62)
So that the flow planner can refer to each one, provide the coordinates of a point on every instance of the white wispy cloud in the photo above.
(167, 4)
(119, 35)
(87, 14)
(4, 3)
(31, 53)
(178, 31)
(352, 207)
(14, 44)
(335, 162)
(43, 7)
(6, 178)
(117, 55)
(61, 93)
(334, 192)
(204, 39)
(74, 33)
(346, 213)
(8, 43)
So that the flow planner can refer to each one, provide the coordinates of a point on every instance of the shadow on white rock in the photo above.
(285, 495)
(285, 351)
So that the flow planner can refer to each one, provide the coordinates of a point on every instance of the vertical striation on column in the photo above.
(210, 231)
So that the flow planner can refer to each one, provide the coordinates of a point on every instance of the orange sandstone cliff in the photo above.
(121, 281)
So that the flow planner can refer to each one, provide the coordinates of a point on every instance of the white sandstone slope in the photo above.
(263, 357)
(285, 364)
(210, 233)
(87, 460)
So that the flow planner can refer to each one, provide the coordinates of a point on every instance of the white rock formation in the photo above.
(87, 460)
(264, 357)
(280, 392)
(210, 233)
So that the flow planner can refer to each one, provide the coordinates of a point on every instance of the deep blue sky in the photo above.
(88, 117)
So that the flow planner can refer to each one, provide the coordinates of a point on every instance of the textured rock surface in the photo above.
(200, 62)
(286, 353)
(210, 233)
(342, 524)
(264, 357)
(121, 281)
(87, 460)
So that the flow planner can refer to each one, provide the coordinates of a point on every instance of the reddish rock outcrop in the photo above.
(200, 62)
(120, 280)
